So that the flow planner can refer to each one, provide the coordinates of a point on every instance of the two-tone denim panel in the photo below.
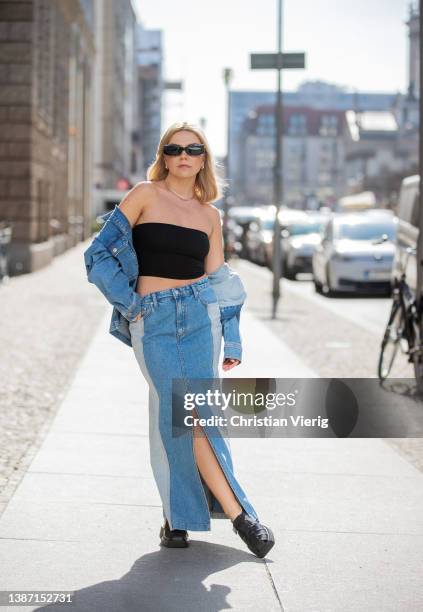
(179, 337)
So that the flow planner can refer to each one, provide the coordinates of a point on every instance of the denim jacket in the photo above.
(111, 264)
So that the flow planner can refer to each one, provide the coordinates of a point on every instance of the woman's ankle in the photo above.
(233, 515)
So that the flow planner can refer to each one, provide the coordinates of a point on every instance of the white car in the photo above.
(356, 253)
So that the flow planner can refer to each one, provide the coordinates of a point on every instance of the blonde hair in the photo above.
(208, 186)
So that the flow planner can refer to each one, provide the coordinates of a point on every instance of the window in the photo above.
(328, 125)
(366, 231)
(266, 125)
(297, 125)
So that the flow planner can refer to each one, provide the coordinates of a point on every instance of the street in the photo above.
(335, 336)
(370, 313)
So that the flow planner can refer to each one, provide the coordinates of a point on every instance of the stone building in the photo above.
(46, 66)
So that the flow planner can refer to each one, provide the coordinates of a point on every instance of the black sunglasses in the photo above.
(191, 149)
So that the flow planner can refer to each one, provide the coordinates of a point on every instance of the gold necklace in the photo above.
(177, 194)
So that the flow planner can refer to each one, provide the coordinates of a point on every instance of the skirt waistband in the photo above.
(191, 288)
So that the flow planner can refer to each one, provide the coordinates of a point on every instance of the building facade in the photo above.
(378, 153)
(317, 95)
(46, 63)
(312, 156)
(115, 91)
(150, 85)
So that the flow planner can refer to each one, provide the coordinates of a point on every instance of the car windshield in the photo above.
(305, 228)
(366, 231)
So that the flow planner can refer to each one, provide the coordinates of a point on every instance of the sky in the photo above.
(359, 44)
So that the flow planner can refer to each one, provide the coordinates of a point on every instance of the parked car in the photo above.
(407, 230)
(286, 217)
(355, 253)
(242, 216)
(299, 239)
(259, 237)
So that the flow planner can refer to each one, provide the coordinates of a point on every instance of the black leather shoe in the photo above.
(173, 538)
(257, 537)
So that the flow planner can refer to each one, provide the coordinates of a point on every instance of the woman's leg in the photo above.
(213, 474)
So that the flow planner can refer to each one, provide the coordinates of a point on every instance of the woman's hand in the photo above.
(230, 363)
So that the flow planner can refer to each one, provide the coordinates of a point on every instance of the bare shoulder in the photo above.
(135, 201)
(213, 214)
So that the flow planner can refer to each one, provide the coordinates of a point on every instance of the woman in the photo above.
(177, 297)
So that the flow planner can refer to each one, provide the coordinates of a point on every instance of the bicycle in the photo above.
(403, 330)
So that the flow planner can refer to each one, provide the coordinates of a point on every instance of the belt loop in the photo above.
(154, 297)
(194, 290)
(174, 292)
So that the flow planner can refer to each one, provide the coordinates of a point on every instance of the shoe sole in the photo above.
(169, 543)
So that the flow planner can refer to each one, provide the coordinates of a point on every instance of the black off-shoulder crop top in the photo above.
(169, 251)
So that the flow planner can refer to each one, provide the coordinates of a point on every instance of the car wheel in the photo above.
(317, 286)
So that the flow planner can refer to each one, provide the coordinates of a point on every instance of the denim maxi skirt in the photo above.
(179, 335)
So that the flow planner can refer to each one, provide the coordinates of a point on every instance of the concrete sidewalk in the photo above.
(347, 514)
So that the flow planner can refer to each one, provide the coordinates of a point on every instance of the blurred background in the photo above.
(88, 86)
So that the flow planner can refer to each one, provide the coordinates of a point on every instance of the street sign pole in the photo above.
(277, 61)
(278, 176)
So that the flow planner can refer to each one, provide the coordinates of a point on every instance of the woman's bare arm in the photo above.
(215, 257)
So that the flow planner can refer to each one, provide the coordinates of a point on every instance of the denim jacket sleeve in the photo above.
(231, 296)
(112, 268)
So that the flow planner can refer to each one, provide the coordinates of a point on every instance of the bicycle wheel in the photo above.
(391, 340)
